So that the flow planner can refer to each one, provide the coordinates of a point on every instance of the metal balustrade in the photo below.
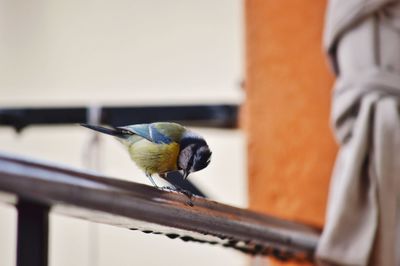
(36, 188)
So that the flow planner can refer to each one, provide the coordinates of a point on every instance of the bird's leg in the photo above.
(152, 180)
(175, 187)
(172, 187)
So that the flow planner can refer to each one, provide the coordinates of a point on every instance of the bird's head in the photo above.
(194, 155)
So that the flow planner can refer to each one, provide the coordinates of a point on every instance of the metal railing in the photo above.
(37, 188)
(216, 116)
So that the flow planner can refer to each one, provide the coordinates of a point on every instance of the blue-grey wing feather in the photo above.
(157, 136)
(149, 132)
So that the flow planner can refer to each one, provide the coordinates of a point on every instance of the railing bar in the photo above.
(129, 202)
(32, 233)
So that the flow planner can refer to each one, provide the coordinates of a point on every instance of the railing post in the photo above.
(32, 235)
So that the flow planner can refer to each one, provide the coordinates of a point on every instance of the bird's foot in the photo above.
(169, 188)
(187, 193)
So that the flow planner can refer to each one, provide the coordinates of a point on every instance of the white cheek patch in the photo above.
(184, 156)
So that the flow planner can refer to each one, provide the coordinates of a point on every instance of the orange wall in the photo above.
(286, 115)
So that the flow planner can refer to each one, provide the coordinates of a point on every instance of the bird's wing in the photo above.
(173, 131)
(161, 132)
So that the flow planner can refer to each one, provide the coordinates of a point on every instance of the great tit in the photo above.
(161, 147)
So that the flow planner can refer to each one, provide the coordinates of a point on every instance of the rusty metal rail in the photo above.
(141, 207)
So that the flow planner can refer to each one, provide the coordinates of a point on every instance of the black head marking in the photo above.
(202, 157)
(192, 141)
(194, 155)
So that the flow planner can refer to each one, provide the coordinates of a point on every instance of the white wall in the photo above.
(144, 50)
(121, 52)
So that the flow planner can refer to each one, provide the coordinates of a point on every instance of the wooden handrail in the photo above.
(136, 206)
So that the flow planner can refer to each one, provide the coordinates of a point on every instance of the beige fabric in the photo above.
(342, 15)
(363, 216)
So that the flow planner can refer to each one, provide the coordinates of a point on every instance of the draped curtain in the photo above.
(362, 39)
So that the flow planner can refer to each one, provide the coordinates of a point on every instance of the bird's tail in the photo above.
(116, 132)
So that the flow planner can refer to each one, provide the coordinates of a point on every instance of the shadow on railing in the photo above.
(38, 187)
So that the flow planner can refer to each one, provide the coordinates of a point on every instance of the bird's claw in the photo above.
(187, 193)
(168, 188)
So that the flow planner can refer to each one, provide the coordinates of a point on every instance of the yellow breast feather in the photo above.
(154, 158)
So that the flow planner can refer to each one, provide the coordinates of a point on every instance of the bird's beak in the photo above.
(185, 174)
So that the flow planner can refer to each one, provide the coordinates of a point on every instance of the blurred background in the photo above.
(265, 56)
(81, 53)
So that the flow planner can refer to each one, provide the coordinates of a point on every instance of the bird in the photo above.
(161, 147)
